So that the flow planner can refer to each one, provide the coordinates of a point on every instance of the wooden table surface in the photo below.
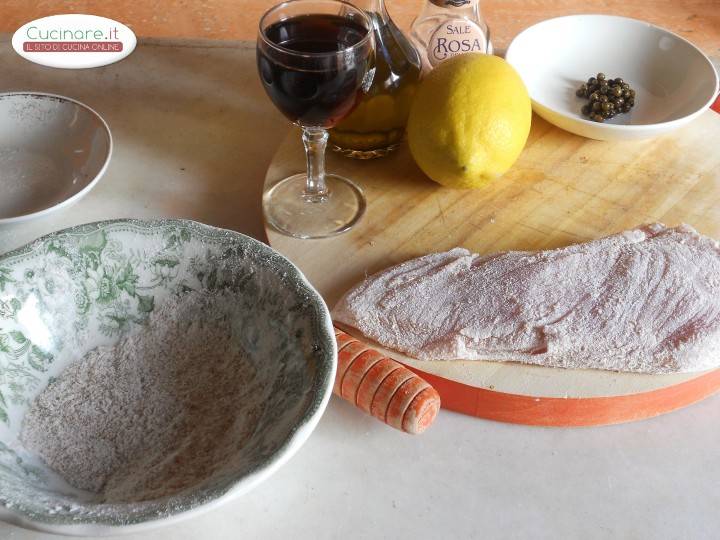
(696, 20)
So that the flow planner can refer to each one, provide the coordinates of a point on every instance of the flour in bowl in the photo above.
(159, 412)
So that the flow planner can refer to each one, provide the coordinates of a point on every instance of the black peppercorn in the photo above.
(606, 97)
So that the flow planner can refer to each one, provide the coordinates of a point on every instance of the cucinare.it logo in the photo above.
(74, 41)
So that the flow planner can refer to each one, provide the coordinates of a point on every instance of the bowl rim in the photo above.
(321, 389)
(84, 191)
(622, 127)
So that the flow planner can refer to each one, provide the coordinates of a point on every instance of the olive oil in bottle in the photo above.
(377, 125)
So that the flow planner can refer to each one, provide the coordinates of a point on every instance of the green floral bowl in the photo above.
(86, 286)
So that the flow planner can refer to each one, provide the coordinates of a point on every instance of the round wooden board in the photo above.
(564, 189)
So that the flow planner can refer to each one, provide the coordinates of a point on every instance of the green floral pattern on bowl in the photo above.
(73, 290)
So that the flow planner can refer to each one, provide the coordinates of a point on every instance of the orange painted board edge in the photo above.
(716, 106)
(569, 412)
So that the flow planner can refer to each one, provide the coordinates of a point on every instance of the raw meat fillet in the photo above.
(646, 300)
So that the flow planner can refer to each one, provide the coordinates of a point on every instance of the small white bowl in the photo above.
(674, 81)
(53, 150)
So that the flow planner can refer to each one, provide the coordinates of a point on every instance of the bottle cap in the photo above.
(451, 3)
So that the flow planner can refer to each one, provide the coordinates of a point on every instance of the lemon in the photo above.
(469, 121)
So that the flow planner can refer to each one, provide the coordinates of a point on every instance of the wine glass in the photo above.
(315, 59)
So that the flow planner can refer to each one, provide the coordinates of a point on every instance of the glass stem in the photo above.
(315, 140)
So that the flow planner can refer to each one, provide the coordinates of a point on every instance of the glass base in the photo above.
(290, 211)
(365, 154)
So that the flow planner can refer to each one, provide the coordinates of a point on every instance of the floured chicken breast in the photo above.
(646, 300)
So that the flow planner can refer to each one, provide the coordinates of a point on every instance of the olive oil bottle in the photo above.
(377, 125)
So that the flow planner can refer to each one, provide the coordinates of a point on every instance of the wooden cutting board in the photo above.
(564, 189)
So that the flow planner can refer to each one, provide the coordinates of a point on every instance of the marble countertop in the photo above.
(194, 134)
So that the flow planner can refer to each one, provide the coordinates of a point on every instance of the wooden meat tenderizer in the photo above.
(383, 387)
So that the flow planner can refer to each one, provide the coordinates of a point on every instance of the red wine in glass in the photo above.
(316, 88)
(315, 59)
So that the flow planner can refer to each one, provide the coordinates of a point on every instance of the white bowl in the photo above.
(673, 80)
(53, 150)
(68, 292)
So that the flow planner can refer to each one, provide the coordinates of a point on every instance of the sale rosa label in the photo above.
(74, 41)
(453, 37)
